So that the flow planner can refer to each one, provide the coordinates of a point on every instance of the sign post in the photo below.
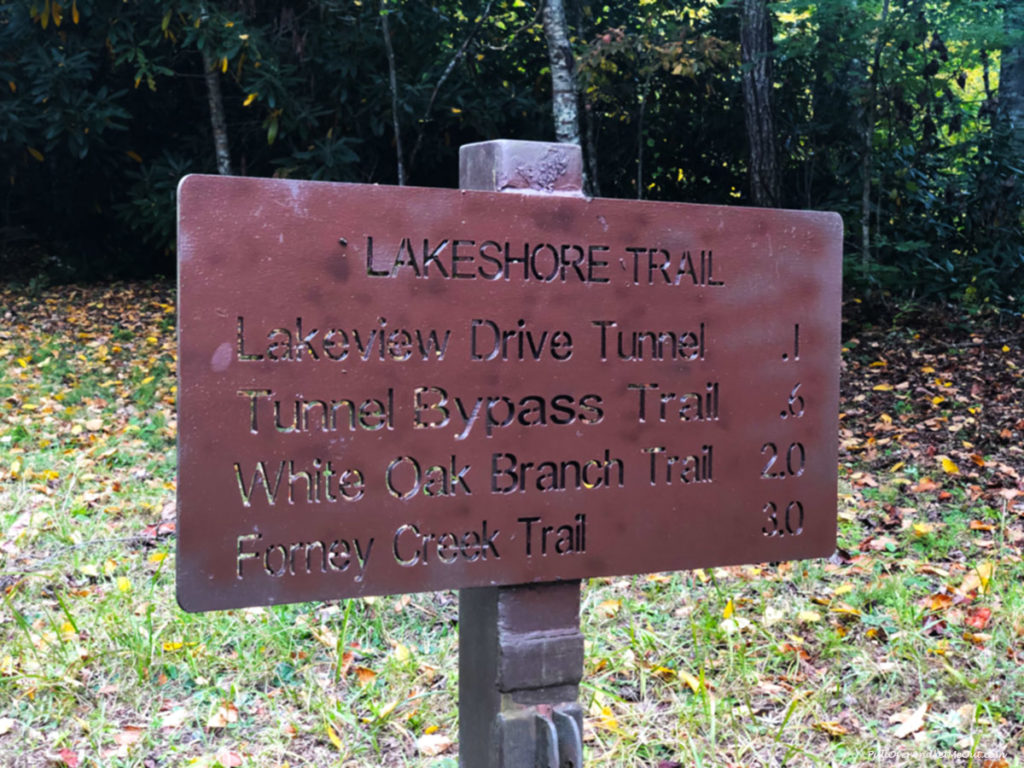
(520, 647)
(396, 389)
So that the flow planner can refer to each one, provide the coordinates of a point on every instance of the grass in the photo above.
(919, 615)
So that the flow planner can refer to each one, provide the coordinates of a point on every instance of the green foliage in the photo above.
(887, 111)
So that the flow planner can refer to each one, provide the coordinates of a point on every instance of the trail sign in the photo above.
(389, 389)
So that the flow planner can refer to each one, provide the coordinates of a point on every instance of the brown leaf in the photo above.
(223, 716)
(978, 618)
(129, 735)
(365, 675)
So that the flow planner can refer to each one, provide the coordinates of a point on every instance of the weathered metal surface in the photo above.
(398, 389)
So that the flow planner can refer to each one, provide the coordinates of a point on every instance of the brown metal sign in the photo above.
(390, 389)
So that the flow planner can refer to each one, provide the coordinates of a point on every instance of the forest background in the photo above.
(905, 116)
(906, 648)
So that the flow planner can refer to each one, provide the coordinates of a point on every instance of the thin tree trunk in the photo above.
(593, 188)
(755, 44)
(393, 80)
(641, 113)
(865, 190)
(1011, 81)
(867, 151)
(217, 120)
(563, 79)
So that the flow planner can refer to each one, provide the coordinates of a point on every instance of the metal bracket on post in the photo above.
(520, 647)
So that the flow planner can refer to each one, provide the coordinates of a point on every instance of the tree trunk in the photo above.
(1011, 81)
(755, 42)
(393, 81)
(563, 79)
(217, 121)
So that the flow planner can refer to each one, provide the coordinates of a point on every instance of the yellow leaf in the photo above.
(729, 608)
(985, 571)
(57, 13)
(845, 609)
(134, 155)
(224, 64)
(170, 646)
(36, 154)
(690, 680)
(883, 388)
(831, 727)
(12, 86)
(897, 466)
(402, 653)
(250, 99)
(878, 364)
(949, 466)
(335, 740)
(938, 400)
(608, 608)
(808, 617)
(157, 557)
(608, 721)
(923, 529)
(74, 11)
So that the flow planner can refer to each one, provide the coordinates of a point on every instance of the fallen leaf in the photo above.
(228, 759)
(223, 716)
(334, 738)
(175, 718)
(6, 725)
(365, 675)
(129, 735)
(909, 721)
(923, 529)
(433, 744)
(978, 618)
(608, 608)
(692, 682)
(832, 728)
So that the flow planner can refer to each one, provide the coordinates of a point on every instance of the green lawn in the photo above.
(902, 649)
